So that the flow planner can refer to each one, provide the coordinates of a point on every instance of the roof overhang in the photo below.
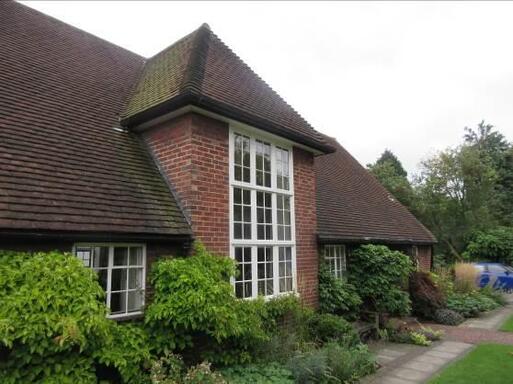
(43, 235)
(175, 106)
(328, 239)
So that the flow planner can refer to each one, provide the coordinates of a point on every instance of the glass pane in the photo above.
(248, 289)
(120, 256)
(259, 178)
(136, 256)
(247, 197)
(237, 213)
(238, 173)
(260, 232)
(247, 214)
(245, 173)
(261, 271)
(260, 215)
(247, 255)
(118, 282)
(261, 254)
(270, 287)
(239, 275)
(247, 231)
(238, 254)
(239, 290)
(261, 288)
(85, 255)
(269, 269)
(247, 272)
(135, 301)
(101, 257)
(102, 278)
(237, 193)
(237, 231)
(135, 278)
(118, 303)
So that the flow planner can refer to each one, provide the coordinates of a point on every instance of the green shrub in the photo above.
(337, 296)
(448, 317)
(332, 364)
(170, 369)
(443, 278)
(493, 245)
(324, 327)
(419, 339)
(53, 325)
(380, 276)
(52, 318)
(494, 294)
(470, 304)
(271, 373)
(194, 305)
(426, 297)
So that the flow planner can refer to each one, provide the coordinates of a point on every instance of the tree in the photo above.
(456, 189)
(391, 174)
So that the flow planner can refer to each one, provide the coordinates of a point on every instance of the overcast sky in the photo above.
(403, 76)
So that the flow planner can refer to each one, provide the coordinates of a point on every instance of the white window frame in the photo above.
(254, 243)
(339, 257)
(110, 267)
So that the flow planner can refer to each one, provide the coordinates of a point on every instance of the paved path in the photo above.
(410, 364)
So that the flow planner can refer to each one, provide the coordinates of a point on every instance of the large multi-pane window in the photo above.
(121, 273)
(335, 258)
(262, 211)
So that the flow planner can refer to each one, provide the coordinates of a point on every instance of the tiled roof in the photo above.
(66, 164)
(201, 70)
(352, 205)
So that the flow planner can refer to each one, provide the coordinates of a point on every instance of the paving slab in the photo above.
(411, 374)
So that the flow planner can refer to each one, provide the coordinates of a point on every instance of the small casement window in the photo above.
(335, 258)
(121, 273)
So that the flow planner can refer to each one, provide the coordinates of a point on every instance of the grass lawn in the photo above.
(507, 326)
(486, 364)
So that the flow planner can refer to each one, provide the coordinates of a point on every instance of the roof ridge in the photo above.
(195, 69)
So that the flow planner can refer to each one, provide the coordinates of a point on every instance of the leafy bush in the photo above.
(494, 294)
(493, 245)
(444, 280)
(53, 325)
(419, 339)
(52, 318)
(194, 305)
(380, 275)
(325, 327)
(465, 277)
(470, 304)
(448, 317)
(332, 364)
(170, 369)
(337, 296)
(272, 373)
(425, 295)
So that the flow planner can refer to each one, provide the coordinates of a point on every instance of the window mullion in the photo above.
(109, 275)
(276, 277)
(254, 269)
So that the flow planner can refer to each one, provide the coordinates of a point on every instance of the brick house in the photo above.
(122, 160)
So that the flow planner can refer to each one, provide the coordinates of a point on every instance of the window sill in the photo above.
(127, 317)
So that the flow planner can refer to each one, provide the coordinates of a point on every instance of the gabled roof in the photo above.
(201, 70)
(66, 164)
(353, 206)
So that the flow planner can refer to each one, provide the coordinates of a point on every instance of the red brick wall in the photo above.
(424, 257)
(192, 151)
(306, 227)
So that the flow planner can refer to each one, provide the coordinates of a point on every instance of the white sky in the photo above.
(398, 75)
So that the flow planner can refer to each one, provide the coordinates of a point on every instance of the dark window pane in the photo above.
(118, 277)
(136, 256)
(261, 270)
(269, 269)
(237, 231)
(260, 215)
(247, 214)
(120, 256)
(246, 177)
(238, 254)
(247, 231)
(261, 254)
(268, 232)
(239, 290)
(118, 303)
(101, 257)
(260, 232)
(260, 199)
(247, 197)
(247, 255)
(102, 278)
(237, 213)
(237, 193)
(248, 289)
(259, 178)
(270, 288)
(261, 288)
